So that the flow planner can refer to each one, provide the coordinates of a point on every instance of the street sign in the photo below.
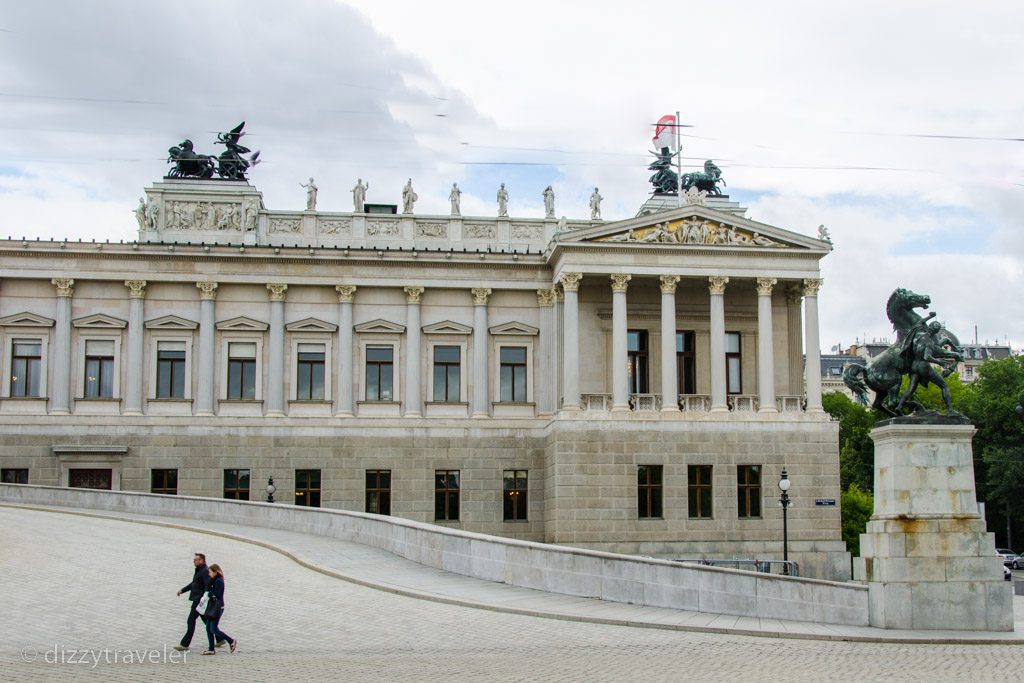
(829, 502)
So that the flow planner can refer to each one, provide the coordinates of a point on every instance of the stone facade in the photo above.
(276, 343)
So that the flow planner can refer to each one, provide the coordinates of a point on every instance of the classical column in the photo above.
(548, 383)
(716, 286)
(571, 342)
(620, 355)
(557, 358)
(480, 383)
(812, 368)
(207, 347)
(136, 303)
(343, 388)
(795, 335)
(60, 401)
(413, 395)
(669, 373)
(765, 347)
(275, 369)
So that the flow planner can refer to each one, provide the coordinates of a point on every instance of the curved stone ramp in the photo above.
(382, 570)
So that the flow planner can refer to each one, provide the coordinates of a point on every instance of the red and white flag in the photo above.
(665, 132)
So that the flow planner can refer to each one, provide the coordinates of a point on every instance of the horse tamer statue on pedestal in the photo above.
(926, 351)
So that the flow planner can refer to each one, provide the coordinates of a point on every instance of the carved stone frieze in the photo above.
(203, 216)
(431, 230)
(478, 231)
(527, 231)
(340, 226)
(379, 228)
(290, 225)
(695, 231)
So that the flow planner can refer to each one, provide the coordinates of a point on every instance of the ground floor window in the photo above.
(378, 492)
(748, 490)
(164, 481)
(14, 475)
(307, 488)
(699, 490)
(236, 484)
(446, 495)
(90, 479)
(515, 495)
(649, 493)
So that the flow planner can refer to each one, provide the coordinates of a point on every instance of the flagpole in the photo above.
(679, 165)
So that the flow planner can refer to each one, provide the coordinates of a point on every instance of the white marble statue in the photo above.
(502, 201)
(549, 202)
(409, 197)
(359, 195)
(311, 190)
(563, 224)
(595, 205)
(455, 197)
(823, 233)
(140, 213)
(152, 212)
(250, 216)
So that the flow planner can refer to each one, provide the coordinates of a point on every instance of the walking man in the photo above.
(199, 585)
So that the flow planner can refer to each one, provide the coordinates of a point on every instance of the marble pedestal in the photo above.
(926, 557)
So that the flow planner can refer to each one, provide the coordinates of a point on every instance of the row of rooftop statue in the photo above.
(409, 198)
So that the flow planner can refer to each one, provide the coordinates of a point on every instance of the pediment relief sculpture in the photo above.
(694, 231)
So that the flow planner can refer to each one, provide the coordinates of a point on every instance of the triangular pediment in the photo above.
(695, 226)
(380, 326)
(447, 327)
(515, 328)
(242, 324)
(311, 325)
(25, 319)
(100, 321)
(171, 322)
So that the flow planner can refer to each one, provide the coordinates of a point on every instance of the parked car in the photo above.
(1009, 557)
(1017, 562)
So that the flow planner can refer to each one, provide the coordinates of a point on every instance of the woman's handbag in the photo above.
(213, 608)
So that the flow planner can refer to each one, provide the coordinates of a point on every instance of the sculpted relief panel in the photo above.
(527, 232)
(432, 230)
(335, 227)
(203, 216)
(479, 231)
(292, 225)
(380, 228)
(695, 231)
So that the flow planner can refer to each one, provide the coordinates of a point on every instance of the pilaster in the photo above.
(136, 316)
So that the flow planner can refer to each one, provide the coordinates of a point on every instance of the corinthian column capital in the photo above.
(277, 291)
(811, 286)
(65, 286)
(669, 283)
(346, 293)
(765, 285)
(207, 290)
(480, 295)
(570, 281)
(413, 295)
(136, 289)
(716, 284)
(620, 281)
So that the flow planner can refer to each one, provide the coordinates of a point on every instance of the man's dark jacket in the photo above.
(200, 582)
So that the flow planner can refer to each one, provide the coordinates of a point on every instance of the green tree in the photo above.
(990, 402)
(858, 506)
(931, 396)
(856, 450)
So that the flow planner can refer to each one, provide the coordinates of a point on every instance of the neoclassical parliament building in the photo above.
(635, 386)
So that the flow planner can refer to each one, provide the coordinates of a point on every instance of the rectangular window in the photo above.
(26, 367)
(447, 369)
(636, 346)
(748, 490)
(241, 371)
(88, 478)
(446, 495)
(699, 490)
(170, 369)
(307, 488)
(14, 475)
(99, 368)
(310, 373)
(164, 481)
(515, 495)
(686, 364)
(378, 492)
(512, 373)
(648, 486)
(236, 484)
(733, 372)
(380, 366)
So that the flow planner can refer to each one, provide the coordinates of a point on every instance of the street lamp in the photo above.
(270, 490)
(784, 484)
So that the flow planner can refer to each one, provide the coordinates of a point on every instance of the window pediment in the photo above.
(311, 325)
(171, 322)
(516, 328)
(242, 324)
(100, 321)
(380, 326)
(447, 327)
(25, 319)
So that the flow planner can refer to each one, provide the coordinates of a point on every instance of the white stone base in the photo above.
(926, 557)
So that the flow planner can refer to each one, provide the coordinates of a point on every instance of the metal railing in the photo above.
(784, 567)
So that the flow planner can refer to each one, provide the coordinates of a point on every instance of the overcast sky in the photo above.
(893, 124)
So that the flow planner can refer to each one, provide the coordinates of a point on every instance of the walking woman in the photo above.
(212, 619)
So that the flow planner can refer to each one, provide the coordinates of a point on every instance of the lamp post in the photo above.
(270, 490)
(784, 484)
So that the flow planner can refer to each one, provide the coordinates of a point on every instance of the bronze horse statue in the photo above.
(706, 181)
(919, 347)
(189, 164)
